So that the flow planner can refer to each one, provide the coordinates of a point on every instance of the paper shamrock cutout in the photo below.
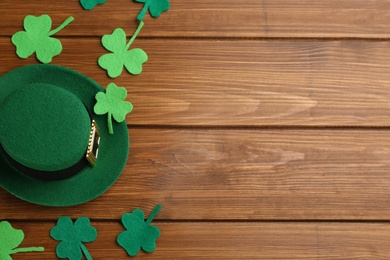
(156, 7)
(10, 239)
(90, 4)
(139, 234)
(121, 56)
(72, 237)
(112, 103)
(36, 38)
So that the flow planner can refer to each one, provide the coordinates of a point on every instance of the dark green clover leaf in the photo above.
(112, 103)
(72, 237)
(156, 7)
(121, 55)
(139, 234)
(36, 38)
(10, 239)
(90, 4)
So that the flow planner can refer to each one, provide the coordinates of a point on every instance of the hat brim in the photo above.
(91, 182)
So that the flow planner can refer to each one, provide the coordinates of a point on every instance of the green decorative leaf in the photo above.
(90, 4)
(139, 233)
(120, 56)
(72, 237)
(10, 239)
(36, 38)
(156, 7)
(112, 103)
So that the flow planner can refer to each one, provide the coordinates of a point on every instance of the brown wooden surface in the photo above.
(224, 240)
(278, 82)
(222, 18)
(262, 127)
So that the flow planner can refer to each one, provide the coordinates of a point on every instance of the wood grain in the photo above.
(260, 126)
(242, 175)
(250, 240)
(262, 83)
(222, 18)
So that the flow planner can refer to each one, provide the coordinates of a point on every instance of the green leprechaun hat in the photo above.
(54, 150)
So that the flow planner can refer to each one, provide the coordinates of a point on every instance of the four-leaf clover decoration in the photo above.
(121, 56)
(10, 239)
(90, 4)
(36, 38)
(72, 237)
(139, 234)
(156, 7)
(112, 103)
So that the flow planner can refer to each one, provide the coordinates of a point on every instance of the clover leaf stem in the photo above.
(153, 214)
(141, 15)
(62, 26)
(141, 24)
(109, 122)
(27, 249)
(85, 251)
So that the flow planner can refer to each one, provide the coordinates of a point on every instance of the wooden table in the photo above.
(262, 127)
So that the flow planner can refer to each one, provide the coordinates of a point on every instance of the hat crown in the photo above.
(44, 127)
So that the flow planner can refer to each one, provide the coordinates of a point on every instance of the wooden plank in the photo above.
(248, 83)
(223, 18)
(231, 241)
(240, 175)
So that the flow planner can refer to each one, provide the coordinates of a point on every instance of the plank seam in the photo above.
(207, 38)
(265, 127)
(341, 221)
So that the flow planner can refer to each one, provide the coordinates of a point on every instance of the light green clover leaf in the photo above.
(112, 103)
(36, 38)
(113, 62)
(72, 237)
(139, 233)
(156, 7)
(10, 239)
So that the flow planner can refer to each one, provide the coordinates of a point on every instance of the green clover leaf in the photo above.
(112, 103)
(113, 62)
(156, 7)
(36, 38)
(139, 233)
(10, 239)
(90, 4)
(72, 237)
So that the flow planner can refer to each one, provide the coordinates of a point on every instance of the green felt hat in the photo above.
(47, 129)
